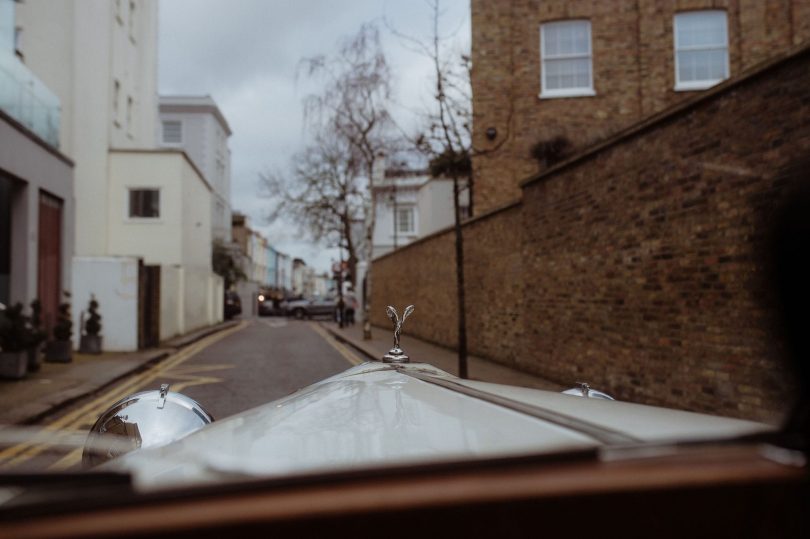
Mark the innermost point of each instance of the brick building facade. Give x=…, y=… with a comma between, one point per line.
x=637, y=265
x=608, y=64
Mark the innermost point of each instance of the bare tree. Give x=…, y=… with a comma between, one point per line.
x=446, y=139
x=353, y=106
x=324, y=193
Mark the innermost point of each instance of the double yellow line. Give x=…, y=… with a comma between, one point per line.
x=84, y=416
x=347, y=354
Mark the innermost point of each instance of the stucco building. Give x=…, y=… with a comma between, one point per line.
x=143, y=219
x=36, y=184
x=583, y=70
x=410, y=204
x=197, y=126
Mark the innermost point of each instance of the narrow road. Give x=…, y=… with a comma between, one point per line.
x=257, y=361
x=268, y=359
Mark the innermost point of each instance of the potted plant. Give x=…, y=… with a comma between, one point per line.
x=13, y=341
x=91, y=340
x=36, y=336
x=59, y=349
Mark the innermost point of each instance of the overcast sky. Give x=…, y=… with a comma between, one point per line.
x=245, y=53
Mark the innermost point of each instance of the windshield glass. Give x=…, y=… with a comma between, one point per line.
x=256, y=240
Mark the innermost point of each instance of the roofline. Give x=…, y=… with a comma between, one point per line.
x=211, y=108
x=472, y=220
x=168, y=151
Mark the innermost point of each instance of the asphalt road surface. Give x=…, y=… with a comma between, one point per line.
x=268, y=359
x=255, y=362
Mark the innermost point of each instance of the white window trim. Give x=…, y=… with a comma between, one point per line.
x=163, y=132
x=149, y=220
x=414, y=229
x=698, y=84
x=566, y=92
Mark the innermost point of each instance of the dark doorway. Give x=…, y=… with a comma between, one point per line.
x=148, y=306
x=49, y=261
x=6, y=188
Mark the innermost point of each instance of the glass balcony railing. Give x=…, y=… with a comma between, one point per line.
x=26, y=99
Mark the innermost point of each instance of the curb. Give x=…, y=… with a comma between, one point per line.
x=190, y=338
x=77, y=395
x=370, y=354
x=155, y=356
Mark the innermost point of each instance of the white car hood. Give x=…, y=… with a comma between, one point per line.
x=376, y=415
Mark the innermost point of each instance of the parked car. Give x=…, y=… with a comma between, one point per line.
x=269, y=306
x=232, y=304
x=315, y=306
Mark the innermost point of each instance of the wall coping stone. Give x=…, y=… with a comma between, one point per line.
x=445, y=230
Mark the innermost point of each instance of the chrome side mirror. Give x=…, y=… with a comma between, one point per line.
x=145, y=419
x=584, y=390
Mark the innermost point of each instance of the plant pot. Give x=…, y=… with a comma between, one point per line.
x=59, y=351
x=90, y=344
x=34, y=358
x=13, y=364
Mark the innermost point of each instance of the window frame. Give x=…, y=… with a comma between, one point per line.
x=128, y=205
x=702, y=84
x=163, y=132
x=412, y=210
x=115, y=102
x=130, y=115
x=581, y=91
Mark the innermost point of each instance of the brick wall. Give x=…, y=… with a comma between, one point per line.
x=633, y=72
x=635, y=266
x=493, y=267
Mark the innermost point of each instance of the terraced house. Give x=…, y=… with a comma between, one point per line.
x=578, y=71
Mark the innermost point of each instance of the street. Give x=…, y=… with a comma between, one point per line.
x=257, y=361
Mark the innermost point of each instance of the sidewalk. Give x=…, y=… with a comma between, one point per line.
x=57, y=385
x=443, y=358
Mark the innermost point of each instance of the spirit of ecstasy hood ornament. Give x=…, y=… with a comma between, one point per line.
x=396, y=355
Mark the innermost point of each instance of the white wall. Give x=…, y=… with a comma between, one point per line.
x=182, y=233
x=205, y=140
x=196, y=233
x=436, y=205
x=189, y=299
x=114, y=281
x=159, y=240
x=78, y=48
x=383, y=239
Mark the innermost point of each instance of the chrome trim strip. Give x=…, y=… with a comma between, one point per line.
x=601, y=434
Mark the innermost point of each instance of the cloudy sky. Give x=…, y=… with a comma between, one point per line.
x=245, y=54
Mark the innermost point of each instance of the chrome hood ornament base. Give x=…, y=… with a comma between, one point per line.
x=396, y=355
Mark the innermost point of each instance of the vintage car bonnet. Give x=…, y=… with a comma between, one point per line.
x=387, y=413
x=378, y=414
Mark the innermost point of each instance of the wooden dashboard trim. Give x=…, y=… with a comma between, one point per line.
x=704, y=470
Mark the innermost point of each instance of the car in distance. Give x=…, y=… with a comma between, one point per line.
x=232, y=305
x=307, y=308
x=269, y=306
